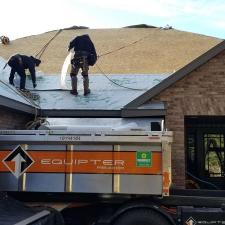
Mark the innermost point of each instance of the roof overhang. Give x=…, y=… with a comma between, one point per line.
x=53, y=113
x=17, y=106
x=81, y=113
x=143, y=112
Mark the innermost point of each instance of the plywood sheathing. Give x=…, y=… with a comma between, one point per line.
x=161, y=51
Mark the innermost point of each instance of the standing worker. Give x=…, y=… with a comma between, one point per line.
x=18, y=64
x=85, y=56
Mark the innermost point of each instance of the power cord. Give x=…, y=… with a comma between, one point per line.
x=130, y=88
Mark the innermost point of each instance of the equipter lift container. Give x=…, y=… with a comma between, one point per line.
x=131, y=162
x=106, y=178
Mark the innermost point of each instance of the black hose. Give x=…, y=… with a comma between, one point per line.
x=41, y=52
x=56, y=89
x=130, y=88
x=202, y=181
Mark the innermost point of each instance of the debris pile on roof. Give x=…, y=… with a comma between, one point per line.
x=167, y=27
x=140, y=26
x=76, y=28
x=4, y=40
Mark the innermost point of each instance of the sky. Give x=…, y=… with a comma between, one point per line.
x=20, y=18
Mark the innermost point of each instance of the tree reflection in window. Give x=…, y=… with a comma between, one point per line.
x=214, y=155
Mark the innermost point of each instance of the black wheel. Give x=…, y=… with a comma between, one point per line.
x=141, y=217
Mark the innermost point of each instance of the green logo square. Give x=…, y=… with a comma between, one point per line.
x=144, y=159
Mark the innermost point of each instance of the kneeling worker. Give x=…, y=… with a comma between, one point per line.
x=18, y=64
x=85, y=56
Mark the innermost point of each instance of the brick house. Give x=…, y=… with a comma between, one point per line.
x=192, y=102
x=194, y=97
x=14, y=114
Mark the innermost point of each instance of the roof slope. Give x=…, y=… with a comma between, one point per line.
x=108, y=95
x=158, y=51
x=177, y=76
x=10, y=97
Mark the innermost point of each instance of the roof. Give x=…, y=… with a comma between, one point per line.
x=106, y=99
x=148, y=51
x=104, y=94
x=176, y=76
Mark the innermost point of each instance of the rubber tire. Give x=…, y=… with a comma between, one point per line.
x=141, y=217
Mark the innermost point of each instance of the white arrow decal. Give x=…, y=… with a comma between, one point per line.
x=22, y=161
x=18, y=162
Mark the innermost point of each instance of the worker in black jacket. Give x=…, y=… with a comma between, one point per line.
x=85, y=56
x=19, y=63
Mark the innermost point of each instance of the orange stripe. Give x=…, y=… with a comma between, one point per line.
x=88, y=162
x=3, y=154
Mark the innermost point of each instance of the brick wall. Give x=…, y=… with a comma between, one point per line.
x=202, y=92
x=13, y=120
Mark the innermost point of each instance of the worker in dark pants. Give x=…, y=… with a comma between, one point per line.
x=19, y=63
x=85, y=56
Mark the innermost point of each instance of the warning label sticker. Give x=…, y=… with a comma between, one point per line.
x=144, y=159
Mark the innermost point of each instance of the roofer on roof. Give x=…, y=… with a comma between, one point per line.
x=85, y=56
x=18, y=64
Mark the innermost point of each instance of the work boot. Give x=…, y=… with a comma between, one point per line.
x=11, y=80
x=24, y=90
x=74, y=85
x=11, y=83
x=86, y=86
x=73, y=92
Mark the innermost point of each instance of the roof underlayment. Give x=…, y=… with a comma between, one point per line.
x=104, y=94
x=7, y=91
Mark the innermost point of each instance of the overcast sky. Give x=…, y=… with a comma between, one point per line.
x=19, y=18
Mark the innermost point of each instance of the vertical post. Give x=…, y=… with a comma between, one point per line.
x=24, y=175
x=116, y=177
x=166, y=164
x=69, y=168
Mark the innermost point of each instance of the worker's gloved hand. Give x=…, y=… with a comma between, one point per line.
x=34, y=85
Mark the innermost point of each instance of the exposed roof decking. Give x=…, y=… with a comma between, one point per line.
x=158, y=51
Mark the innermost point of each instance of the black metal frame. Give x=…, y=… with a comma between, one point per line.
x=198, y=126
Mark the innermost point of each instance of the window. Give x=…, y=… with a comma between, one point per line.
x=214, y=155
x=191, y=152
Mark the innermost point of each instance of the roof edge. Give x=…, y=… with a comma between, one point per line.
x=17, y=106
x=89, y=113
x=199, y=61
x=126, y=113
x=79, y=113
